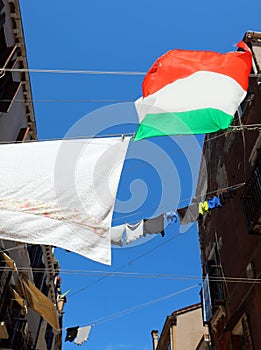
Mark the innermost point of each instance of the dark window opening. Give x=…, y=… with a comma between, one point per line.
x=22, y=135
x=49, y=337
x=251, y=200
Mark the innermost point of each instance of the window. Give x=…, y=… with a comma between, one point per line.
x=213, y=288
x=206, y=301
x=36, y=254
x=216, y=284
x=2, y=20
x=22, y=135
x=1, y=5
x=251, y=199
x=49, y=337
x=8, y=91
x=245, y=105
x=8, y=87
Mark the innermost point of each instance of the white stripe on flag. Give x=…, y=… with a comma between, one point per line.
x=198, y=91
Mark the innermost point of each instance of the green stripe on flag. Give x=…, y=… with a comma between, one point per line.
x=200, y=121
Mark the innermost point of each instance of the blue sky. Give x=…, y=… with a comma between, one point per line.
x=126, y=36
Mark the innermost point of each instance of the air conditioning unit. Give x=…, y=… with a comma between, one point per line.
x=3, y=331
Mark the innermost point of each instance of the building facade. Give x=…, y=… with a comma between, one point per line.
x=230, y=235
x=31, y=303
x=183, y=329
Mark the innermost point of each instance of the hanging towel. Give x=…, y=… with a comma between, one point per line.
x=188, y=214
x=61, y=193
x=71, y=333
x=117, y=233
x=82, y=334
x=134, y=232
x=155, y=225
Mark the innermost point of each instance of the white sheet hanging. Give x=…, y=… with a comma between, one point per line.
x=61, y=193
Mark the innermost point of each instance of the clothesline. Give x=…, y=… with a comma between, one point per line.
x=85, y=137
x=236, y=186
x=158, y=246
x=132, y=134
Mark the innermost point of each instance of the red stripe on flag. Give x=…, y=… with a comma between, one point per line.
x=178, y=64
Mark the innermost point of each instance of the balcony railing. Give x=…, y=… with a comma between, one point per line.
x=251, y=199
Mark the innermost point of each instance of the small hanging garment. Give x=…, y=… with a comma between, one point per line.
x=134, y=232
x=82, y=335
x=214, y=202
x=117, y=233
x=171, y=216
x=188, y=214
x=71, y=333
x=203, y=207
x=155, y=225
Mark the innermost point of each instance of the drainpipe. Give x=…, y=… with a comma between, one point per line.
x=155, y=338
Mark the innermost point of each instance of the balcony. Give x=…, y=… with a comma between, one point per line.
x=251, y=199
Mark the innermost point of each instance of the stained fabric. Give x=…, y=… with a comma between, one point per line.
x=188, y=214
x=71, y=333
x=203, y=207
x=154, y=225
x=61, y=193
x=134, y=232
x=82, y=334
x=214, y=202
x=39, y=302
x=171, y=216
x=116, y=233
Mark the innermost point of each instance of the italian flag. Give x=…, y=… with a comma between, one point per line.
x=193, y=92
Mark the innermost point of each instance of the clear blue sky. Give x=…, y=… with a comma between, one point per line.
x=126, y=36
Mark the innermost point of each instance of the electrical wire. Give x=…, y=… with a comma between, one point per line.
x=138, y=275
x=135, y=308
x=85, y=72
x=72, y=71
x=67, y=100
x=140, y=306
x=125, y=265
